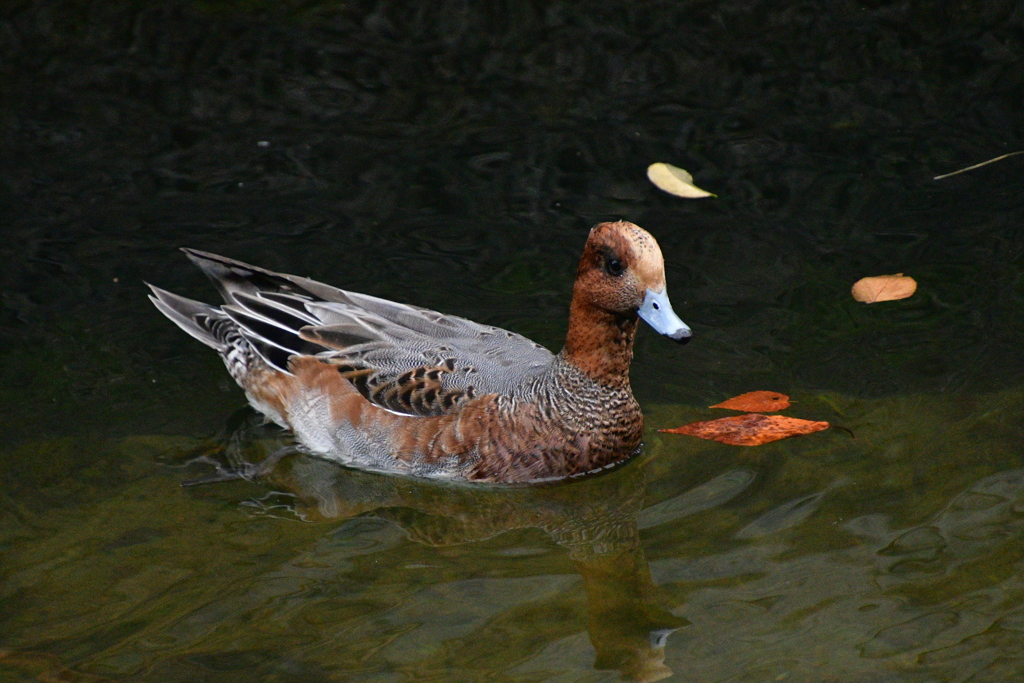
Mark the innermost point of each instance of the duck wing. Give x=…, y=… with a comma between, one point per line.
x=403, y=358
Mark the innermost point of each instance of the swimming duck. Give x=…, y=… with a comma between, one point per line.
x=384, y=386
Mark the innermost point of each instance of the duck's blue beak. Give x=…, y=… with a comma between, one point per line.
x=657, y=312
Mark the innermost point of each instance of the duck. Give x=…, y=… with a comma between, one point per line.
x=391, y=387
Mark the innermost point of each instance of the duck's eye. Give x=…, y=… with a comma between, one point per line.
x=614, y=267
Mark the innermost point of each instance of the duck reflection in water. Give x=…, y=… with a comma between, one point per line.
x=594, y=521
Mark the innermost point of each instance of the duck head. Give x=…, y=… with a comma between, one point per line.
x=620, y=278
x=623, y=273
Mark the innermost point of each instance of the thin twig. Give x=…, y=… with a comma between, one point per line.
x=848, y=431
x=984, y=163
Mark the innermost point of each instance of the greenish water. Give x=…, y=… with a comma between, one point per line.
x=454, y=157
x=895, y=554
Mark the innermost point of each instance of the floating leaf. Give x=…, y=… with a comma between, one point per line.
x=752, y=429
x=883, y=288
x=756, y=402
x=675, y=181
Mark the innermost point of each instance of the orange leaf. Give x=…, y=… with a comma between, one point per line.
x=756, y=402
x=752, y=429
x=883, y=288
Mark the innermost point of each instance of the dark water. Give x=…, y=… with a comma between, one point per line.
x=453, y=155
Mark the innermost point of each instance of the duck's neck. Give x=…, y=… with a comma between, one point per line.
x=600, y=343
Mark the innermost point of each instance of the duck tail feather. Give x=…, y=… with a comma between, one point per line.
x=196, y=318
x=233, y=277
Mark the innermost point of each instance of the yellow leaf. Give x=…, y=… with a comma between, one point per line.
x=883, y=288
x=675, y=181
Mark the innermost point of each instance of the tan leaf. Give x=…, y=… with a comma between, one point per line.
x=883, y=288
x=756, y=402
x=675, y=181
x=752, y=429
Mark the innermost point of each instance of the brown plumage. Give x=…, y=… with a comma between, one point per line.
x=385, y=386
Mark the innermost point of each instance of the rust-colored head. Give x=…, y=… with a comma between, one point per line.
x=621, y=276
x=620, y=262
x=622, y=272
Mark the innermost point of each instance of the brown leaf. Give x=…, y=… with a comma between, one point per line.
x=756, y=402
x=752, y=429
x=883, y=288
